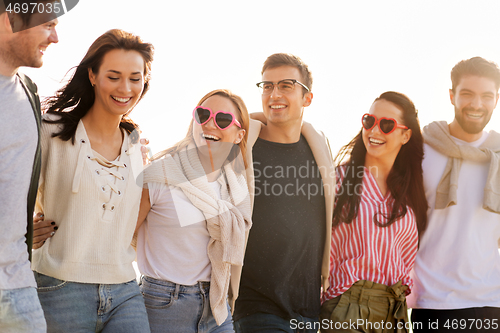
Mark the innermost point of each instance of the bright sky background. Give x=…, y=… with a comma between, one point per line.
x=355, y=49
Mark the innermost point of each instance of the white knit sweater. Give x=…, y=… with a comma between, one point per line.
x=94, y=206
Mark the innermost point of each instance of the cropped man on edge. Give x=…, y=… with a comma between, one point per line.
x=23, y=40
x=457, y=269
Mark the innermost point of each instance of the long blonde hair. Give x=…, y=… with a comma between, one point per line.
x=244, y=120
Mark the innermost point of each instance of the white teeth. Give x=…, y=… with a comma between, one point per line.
x=278, y=106
x=122, y=100
x=376, y=141
x=475, y=115
x=210, y=137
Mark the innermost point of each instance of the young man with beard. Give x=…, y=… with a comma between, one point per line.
x=457, y=269
x=23, y=40
x=287, y=256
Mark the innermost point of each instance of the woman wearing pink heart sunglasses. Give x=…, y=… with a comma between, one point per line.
x=194, y=220
x=380, y=212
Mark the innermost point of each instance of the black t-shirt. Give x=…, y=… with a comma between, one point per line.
x=282, y=267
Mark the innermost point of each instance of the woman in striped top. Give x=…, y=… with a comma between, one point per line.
x=380, y=211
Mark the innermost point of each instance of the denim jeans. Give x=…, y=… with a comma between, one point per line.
x=181, y=309
x=20, y=311
x=86, y=307
x=269, y=323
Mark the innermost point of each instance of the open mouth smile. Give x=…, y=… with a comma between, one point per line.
x=210, y=137
x=375, y=142
x=474, y=115
x=121, y=99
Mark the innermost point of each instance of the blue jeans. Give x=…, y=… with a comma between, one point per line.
x=181, y=309
x=20, y=311
x=269, y=323
x=86, y=307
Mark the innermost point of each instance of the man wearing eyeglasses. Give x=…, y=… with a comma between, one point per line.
x=287, y=256
x=24, y=37
x=457, y=268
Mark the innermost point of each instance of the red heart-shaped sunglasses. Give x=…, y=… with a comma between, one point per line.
x=386, y=125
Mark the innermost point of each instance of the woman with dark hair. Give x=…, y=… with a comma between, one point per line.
x=380, y=212
x=194, y=220
x=91, y=158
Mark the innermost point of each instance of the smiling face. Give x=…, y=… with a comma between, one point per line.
x=474, y=98
x=210, y=132
x=119, y=83
x=280, y=108
x=28, y=46
x=380, y=146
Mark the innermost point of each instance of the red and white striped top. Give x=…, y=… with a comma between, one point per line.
x=363, y=251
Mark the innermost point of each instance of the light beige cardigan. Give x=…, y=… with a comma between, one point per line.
x=323, y=156
x=96, y=223
x=437, y=135
x=228, y=219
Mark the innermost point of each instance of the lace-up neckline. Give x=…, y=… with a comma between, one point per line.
x=108, y=171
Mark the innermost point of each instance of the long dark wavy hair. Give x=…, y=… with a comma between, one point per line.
x=405, y=181
x=75, y=99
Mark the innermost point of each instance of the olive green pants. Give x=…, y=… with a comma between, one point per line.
x=367, y=307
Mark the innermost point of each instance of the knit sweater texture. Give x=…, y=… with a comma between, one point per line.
x=228, y=219
x=95, y=204
x=437, y=135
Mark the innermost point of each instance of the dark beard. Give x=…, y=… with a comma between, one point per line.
x=469, y=127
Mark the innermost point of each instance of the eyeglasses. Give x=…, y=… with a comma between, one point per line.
x=284, y=86
x=223, y=120
x=386, y=125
